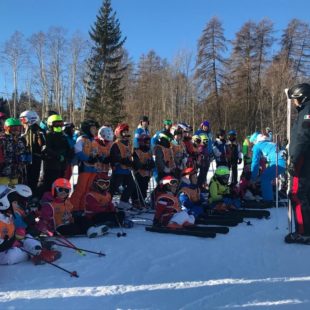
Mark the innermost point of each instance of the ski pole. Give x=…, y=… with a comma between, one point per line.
x=138, y=189
x=62, y=239
x=121, y=233
x=72, y=273
x=79, y=249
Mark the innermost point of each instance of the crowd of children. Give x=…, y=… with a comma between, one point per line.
x=37, y=160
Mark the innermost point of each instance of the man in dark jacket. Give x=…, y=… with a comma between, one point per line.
x=299, y=168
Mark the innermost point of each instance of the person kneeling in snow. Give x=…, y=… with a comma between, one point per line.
x=167, y=207
x=190, y=196
x=56, y=216
x=15, y=244
x=221, y=197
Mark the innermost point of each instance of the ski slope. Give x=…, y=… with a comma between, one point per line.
x=250, y=267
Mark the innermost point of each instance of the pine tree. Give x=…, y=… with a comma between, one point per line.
x=106, y=69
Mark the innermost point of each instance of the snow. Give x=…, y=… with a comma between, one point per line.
x=249, y=268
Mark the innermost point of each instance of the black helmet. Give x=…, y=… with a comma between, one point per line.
x=144, y=118
x=299, y=91
x=85, y=126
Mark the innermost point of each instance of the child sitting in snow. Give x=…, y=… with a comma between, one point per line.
x=190, y=196
x=15, y=244
x=220, y=195
x=99, y=207
x=56, y=215
x=167, y=207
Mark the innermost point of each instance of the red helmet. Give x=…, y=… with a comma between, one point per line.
x=61, y=183
x=188, y=171
x=2, y=115
x=101, y=182
x=170, y=180
x=120, y=128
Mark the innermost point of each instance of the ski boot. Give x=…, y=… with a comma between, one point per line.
x=97, y=231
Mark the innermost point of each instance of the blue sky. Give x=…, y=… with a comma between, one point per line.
x=163, y=25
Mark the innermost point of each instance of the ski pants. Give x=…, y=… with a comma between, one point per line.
x=300, y=198
x=267, y=177
x=203, y=171
x=33, y=173
x=126, y=180
x=83, y=185
x=16, y=255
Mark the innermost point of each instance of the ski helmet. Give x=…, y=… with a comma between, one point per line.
x=119, y=130
x=299, y=91
x=55, y=123
x=29, y=117
x=196, y=139
x=167, y=122
x=185, y=127
x=205, y=123
x=67, y=128
x=222, y=174
x=221, y=133
x=164, y=140
x=12, y=125
x=188, y=171
x=232, y=132
x=144, y=119
x=101, y=182
x=204, y=138
x=6, y=194
x=86, y=125
x=105, y=133
x=168, y=180
x=61, y=183
x=176, y=130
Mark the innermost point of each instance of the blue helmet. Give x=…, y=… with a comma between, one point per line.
x=232, y=133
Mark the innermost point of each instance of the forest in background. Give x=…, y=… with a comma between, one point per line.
x=234, y=83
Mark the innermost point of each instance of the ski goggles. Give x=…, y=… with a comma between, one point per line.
x=103, y=182
x=62, y=190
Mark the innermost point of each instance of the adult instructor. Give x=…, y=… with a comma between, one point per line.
x=299, y=168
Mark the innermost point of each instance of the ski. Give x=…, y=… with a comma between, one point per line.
x=221, y=221
x=253, y=204
x=297, y=239
x=215, y=229
x=252, y=213
x=181, y=231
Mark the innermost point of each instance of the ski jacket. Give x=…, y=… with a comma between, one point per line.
x=221, y=151
x=217, y=190
x=235, y=151
x=104, y=150
x=57, y=152
x=35, y=140
x=138, y=132
x=164, y=160
x=96, y=202
x=88, y=152
x=54, y=214
x=13, y=156
x=246, y=151
x=143, y=162
x=210, y=140
x=191, y=198
x=299, y=148
x=179, y=154
x=121, y=158
x=7, y=232
x=267, y=150
x=166, y=205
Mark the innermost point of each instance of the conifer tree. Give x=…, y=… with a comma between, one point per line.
x=105, y=68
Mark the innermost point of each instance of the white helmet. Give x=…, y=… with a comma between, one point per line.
x=106, y=133
x=29, y=117
x=5, y=190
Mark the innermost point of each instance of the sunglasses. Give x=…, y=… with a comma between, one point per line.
x=58, y=124
x=62, y=190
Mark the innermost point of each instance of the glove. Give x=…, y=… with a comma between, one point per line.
x=239, y=161
x=291, y=169
x=92, y=160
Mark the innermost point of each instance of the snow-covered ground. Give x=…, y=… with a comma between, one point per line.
x=249, y=268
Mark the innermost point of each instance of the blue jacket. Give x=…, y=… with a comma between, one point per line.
x=269, y=151
x=138, y=132
x=210, y=141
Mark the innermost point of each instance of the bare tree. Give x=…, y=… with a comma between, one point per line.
x=15, y=54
